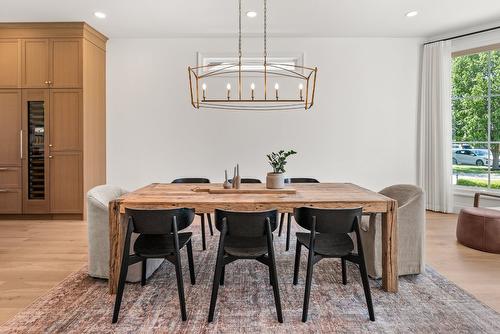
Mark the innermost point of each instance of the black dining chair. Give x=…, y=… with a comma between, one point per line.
x=202, y=215
x=329, y=238
x=247, y=180
x=245, y=235
x=159, y=237
x=289, y=216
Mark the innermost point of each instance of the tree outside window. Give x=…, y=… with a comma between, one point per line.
x=476, y=119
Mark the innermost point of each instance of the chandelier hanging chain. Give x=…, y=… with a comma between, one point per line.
x=265, y=31
x=265, y=49
x=239, y=31
x=240, y=88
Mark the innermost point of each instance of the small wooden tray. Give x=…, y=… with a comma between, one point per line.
x=246, y=191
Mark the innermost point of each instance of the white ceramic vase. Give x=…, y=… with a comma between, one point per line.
x=275, y=181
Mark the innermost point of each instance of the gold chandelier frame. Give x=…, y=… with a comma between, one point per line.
x=305, y=76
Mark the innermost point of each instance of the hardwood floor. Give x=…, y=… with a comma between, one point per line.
x=37, y=255
x=475, y=271
x=34, y=257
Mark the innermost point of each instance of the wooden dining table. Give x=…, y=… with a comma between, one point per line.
x=255, y=197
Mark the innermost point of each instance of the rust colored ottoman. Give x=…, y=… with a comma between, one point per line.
x=479, y=228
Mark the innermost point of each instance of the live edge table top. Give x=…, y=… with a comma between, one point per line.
x=321, y=195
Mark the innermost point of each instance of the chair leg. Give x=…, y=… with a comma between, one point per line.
x=282, y=219
x=217, y=277
x=121, y=287
x=366, y=288
x=209, y=217
x=344, y=271
x=307, y=292
x=276, y=290
x=288, y=231
x=189, y=248
x=143, y=272
x=271, y=275
x=203, y=241
x=223, y=273
x=298, y=248
x=180, y=285
x=123, y=271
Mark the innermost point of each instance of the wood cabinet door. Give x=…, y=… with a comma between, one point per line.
x=66, y=63
x=10, y=201
x=65, y=120
x=66, y=190
x=10, y=132
x=10, y=63
x=35, y=63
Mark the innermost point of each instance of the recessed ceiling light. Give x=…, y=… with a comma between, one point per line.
x=100, y=15
x=251, y=14
x=412, y=13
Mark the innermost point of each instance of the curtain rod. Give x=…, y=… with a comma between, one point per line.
x=463, y=35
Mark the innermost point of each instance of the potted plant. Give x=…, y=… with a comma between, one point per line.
x=276, y=179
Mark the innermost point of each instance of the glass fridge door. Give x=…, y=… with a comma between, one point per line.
x=36, y=151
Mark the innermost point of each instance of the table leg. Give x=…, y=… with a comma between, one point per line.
x=390, y=248
x=116, y=238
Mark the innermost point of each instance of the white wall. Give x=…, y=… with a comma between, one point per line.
x=362, y=128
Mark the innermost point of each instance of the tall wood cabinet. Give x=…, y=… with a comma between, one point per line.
x=52, y=117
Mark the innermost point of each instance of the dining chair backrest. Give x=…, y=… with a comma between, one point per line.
x=246, y=224
x=301, y=180
x=247, y=180
x=149, y=221
x=191, y=180
x=329, y=221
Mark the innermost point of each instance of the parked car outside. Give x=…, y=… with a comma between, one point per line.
x=462, y=147
x=477, y=157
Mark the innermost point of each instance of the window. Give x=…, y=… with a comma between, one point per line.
x=252, y=62
x=476, y=119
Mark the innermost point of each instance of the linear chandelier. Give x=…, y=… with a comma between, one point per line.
x=260, y=85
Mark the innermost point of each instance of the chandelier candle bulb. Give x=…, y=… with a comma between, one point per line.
x=228, y=91
x=252, y=87
x=204, y=87
x=277, y=87
x=301, y=87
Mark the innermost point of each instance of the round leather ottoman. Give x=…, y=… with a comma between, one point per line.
x=479, y=228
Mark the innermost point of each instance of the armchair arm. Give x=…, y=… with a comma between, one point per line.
x=477, y=195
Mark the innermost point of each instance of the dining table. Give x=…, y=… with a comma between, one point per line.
x=256, y=197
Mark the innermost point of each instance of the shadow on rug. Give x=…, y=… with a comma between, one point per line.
x=426, y=303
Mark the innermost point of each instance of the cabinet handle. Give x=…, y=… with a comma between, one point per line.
x=46, y=82
x=50, y=145
x=21, y=143
x=50, y=82
x=50, y=157
x=3, y=190
x=3, y=169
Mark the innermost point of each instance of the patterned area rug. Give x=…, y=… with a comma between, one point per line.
x=426, y=303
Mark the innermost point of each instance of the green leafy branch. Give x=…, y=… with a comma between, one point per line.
x=278, y=160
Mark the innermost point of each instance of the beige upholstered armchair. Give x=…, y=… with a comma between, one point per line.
x=98, y=199
x=411, y=232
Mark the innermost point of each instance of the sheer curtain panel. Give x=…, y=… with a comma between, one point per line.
x=435, y=132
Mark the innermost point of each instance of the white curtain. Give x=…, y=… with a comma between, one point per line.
x=435, y=137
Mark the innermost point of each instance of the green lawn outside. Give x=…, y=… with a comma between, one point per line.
x=465, y=169
x=473, y=181
x=495, y=184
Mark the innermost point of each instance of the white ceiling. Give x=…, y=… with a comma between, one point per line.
x=349, y=18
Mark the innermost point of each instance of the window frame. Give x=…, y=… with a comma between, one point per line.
x=204, y=58
x=483, y=49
